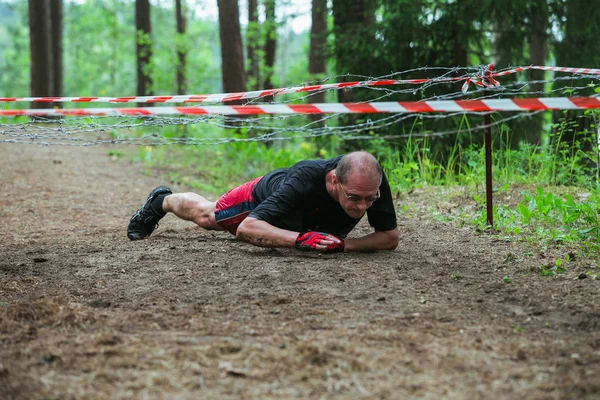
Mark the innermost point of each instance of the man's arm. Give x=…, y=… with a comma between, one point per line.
x=380, y=240
x=263, y=234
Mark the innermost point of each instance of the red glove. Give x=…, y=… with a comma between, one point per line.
x=309, y=241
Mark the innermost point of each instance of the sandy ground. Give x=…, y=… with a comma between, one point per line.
x=85, y=313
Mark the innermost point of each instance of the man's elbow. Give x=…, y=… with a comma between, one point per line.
x=244, y=231
x=393, y=240
x=393, y=244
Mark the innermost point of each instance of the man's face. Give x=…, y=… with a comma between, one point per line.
x=357, y=194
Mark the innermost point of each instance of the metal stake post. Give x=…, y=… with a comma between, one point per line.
x=488, y=172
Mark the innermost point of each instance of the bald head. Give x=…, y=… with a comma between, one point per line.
x=358, y=162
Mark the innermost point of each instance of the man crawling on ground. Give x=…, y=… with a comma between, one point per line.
x=312, y=205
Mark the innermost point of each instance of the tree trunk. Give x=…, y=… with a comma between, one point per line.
x=316, y=55
x=56, y=21
x=232, y=57
x=540, y=18
x=181, y=47
x=252, y=38
x=143, y=48
x=40, y=45
x=232, y=67
x=459, y=30
x=270, y=44
x=353, y=22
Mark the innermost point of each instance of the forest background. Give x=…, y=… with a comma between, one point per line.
x=142, y=47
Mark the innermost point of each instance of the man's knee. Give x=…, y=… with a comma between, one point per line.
x=191, y=207
x=203, y=212
x=207, y=221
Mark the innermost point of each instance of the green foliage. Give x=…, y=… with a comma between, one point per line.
x=552, y=271
x=578, y=221
x=291, y=63
x=456, y=275
x=14, y=51
x=594, y=274
x=116, y=154
x=203, y=69
x=549, y=220
x=99, y=45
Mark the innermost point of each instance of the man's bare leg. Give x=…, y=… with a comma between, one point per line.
x=192, y=207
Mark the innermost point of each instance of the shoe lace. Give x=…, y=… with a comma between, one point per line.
x=149, y=215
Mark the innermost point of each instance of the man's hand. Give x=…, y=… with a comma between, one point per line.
x=320, y=241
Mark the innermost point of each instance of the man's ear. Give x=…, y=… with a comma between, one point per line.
x=334, y=180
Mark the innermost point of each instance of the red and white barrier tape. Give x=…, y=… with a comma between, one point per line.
x=532, y=104
x=484, y=79
x=223, y=97
x=581, y=71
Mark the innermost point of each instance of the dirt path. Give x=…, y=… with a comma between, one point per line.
x=85, y=313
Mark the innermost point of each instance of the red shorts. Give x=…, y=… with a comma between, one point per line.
x=234, y=206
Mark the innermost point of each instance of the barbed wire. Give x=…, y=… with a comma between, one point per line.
x=344, y=133
x=152, y=131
